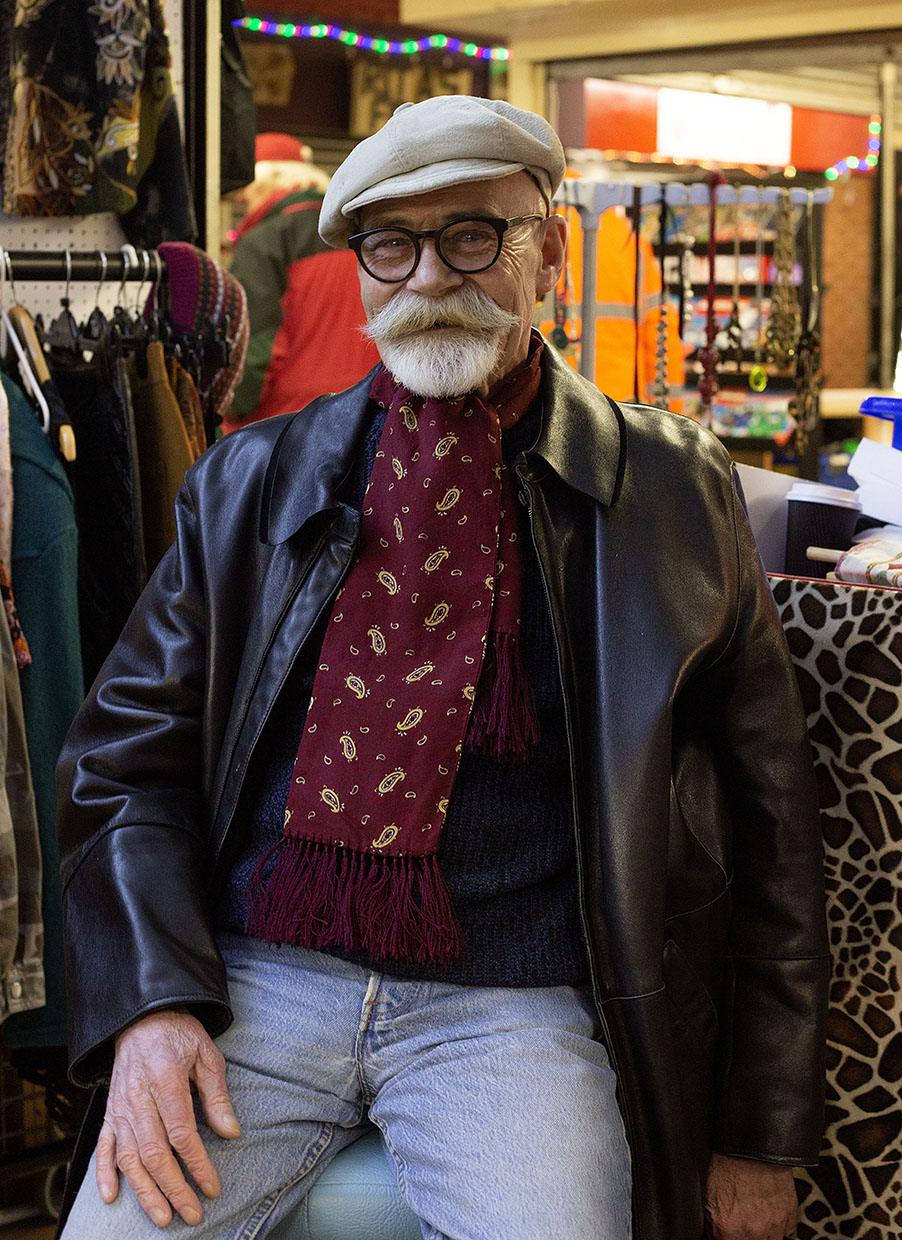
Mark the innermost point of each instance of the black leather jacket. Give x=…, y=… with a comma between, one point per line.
x=699, y=851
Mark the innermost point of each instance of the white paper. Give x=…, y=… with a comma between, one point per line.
x=765, y=498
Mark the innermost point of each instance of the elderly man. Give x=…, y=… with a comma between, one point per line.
x=451, y=770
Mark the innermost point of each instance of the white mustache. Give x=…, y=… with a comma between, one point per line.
x=467, y=308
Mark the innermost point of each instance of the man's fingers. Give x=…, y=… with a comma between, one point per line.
x=148, y=1195
x=213, y=1091
x=177, y=1113
x=105, y=1167
x=161, y=1165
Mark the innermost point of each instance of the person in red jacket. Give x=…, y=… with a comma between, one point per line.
x=303, y=297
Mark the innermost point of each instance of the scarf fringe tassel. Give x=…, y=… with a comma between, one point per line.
x=322, y=895
x=503, y=725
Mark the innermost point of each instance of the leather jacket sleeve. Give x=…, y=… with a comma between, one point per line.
x=772, y=1047
x=131, y=814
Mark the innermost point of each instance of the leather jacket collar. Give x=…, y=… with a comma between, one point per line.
x=582, y=439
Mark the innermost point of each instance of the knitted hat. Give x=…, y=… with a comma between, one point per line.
x=281, y=146
x=201, y=291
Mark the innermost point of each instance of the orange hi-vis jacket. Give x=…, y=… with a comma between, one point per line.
x=618, y=355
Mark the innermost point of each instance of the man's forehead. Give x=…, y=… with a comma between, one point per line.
x=470, y=198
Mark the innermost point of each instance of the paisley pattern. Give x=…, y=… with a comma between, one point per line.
x=395, y=696
x=81, y=136
x=407, y=638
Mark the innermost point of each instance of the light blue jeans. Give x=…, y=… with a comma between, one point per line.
x=497, y=1105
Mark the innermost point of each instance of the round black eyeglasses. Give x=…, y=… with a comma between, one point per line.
x=391, y=255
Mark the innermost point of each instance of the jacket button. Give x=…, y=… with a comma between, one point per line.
x=15, y=990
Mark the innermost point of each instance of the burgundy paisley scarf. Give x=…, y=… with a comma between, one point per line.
x=420, y=657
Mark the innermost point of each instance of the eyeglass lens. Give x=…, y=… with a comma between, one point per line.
x=465, y=245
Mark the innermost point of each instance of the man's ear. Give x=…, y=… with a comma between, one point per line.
x=554, y=249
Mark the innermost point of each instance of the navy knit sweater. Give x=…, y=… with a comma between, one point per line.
x=507, y=849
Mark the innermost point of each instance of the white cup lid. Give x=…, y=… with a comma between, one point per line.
x=820, y=493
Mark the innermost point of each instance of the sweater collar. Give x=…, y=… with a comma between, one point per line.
x=582, y=440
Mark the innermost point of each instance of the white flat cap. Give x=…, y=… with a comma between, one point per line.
x=446, y=140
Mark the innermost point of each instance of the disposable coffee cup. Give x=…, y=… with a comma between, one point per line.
x=818, y=516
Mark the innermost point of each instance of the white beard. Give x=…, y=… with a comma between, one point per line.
x=443, y=362
x=441, y=346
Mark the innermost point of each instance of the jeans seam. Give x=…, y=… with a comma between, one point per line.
x=400, y=1164
x=363, y=1027
x=265, y=1208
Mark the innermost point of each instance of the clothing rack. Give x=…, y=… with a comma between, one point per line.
x=97, y=266
x=592, y=198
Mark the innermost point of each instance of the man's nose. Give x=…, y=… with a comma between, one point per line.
x=432, y=277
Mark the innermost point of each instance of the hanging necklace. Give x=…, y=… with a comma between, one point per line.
x=685, y=310
x=808, y=377
x=662, y=388
x=561, y=303
x=784, y=320
x=707, y=384
x=732, y=351
x=758, y=374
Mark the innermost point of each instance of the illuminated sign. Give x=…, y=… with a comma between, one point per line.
x=723, y=128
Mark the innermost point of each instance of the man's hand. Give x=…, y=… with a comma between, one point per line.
x=750, y=1200
x=150, y=1114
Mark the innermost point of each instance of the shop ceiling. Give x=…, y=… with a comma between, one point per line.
x=540, y=32
x=841, y=76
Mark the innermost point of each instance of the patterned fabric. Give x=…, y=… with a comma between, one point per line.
x=92, y=99
x=202, y=294
x=875, y=561
x=20, y=645
x=21, y=927
x=6, y=483
x=397, y=680
x=7, y=21
x=846, y=642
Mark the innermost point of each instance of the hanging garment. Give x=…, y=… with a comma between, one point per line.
x=238, y=120
x=189, y=403
x=164, y=451
x=20, y=644
x=112, y=568
x=14, y=624
x=21, y=927
x=303, y=299
x=6, y=484
x=620, y=352
x=7, y=21
x=93, y=124
x=45, y=570
x=205, y=301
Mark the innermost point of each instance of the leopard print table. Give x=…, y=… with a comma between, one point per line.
x=846, y=642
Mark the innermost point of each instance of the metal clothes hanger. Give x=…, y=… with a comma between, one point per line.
x=27, y=352
x=97, y=323
x=63, y=332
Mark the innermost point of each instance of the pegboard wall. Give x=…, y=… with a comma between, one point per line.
x=85, y=232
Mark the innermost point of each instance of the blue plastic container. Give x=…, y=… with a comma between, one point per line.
x=890, y=409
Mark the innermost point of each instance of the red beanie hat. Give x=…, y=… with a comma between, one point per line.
x=280, y=146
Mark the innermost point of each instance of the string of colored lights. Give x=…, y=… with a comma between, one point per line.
x=372, y=43
x=852, y=163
